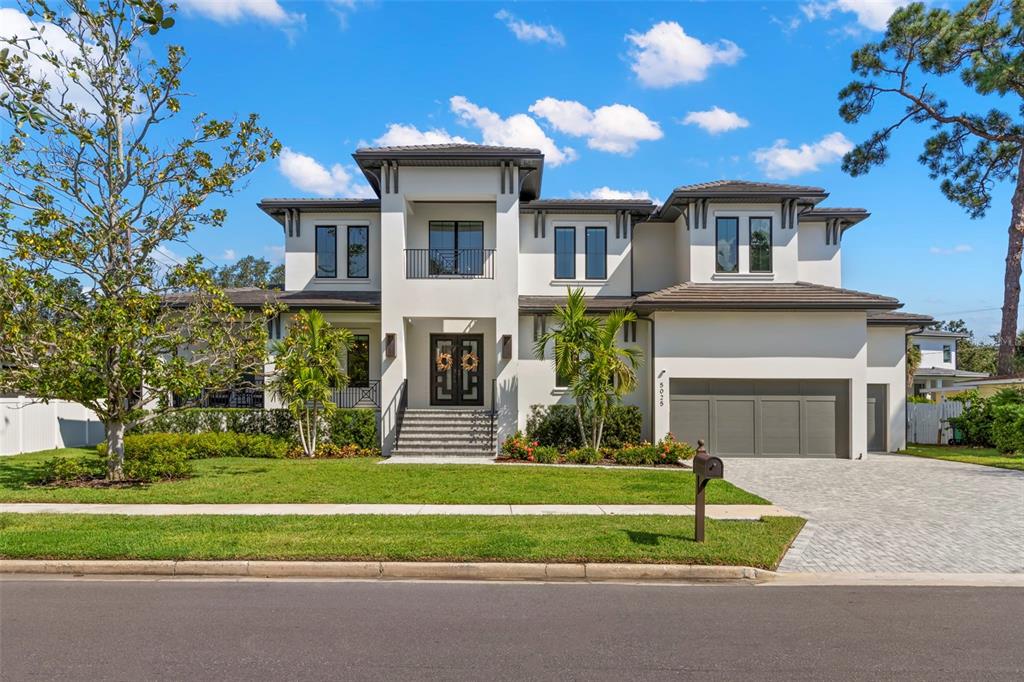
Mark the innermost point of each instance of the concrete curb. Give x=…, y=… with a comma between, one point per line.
x=384, y=570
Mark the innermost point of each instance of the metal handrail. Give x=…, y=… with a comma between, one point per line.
x=494, y=414
x=358, y=395
x=403, y=402
x=235, y=397
x=449, y=263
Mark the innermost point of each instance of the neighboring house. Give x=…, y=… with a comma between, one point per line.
x=446, y=279
x=938, y=368
x=987, y=386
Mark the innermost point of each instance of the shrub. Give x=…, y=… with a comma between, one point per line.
x=556, y=425
x=156, y=465
x=545, y=454
x=356, y=427
x=277, y=423
x=976, y=422
x=671, y=450
x=203, y=445
x=583, y=456
x=71, y=470
x=635, y=455
x=1008, y=428
x=332, y=451
x=517, y=446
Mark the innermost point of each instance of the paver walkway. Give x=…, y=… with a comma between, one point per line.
x=714, y=511
x=894, y=513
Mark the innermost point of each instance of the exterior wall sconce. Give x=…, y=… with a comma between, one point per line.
x=389, y=346
x=506, y=347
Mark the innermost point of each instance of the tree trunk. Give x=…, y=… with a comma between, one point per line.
x=583, y=429
x=115, y=450
x=1011, y=278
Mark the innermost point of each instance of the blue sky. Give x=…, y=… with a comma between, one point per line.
x=616, y=94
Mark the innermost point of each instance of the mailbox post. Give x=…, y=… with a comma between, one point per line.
x=705, y=467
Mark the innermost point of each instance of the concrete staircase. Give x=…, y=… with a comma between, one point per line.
x=454, y=432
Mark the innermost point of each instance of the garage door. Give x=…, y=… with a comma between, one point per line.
x=759, y=418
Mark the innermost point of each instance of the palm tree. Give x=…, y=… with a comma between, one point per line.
x=586, y=352
x=308, y=367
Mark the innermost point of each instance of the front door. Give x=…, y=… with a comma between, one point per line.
x=456, y=369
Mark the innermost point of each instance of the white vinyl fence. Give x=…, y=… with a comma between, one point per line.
x=28, y=426
x=927, y=423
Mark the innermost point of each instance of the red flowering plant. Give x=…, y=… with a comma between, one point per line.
x=518, y=446
x=671, y=450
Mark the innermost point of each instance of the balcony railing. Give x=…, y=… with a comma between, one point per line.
x=237, y=397
x=366, y=395
x=449, y=263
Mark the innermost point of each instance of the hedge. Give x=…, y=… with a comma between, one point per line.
x=556, y=425
x=1008, y=428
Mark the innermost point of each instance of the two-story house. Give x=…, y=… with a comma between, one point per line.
x=449, y=276
x=938, y=369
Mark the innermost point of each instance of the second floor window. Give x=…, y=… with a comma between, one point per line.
x=760, y=244
x=326, y=251
x=947, y=353
x=597, y=252
x=565, y=253
x=727, y=244
x=456, y=247
x=358, y=251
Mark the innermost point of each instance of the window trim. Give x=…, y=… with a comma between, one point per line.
x=771, y=244
x=586, y=252
x=572, y=229
x=348, y=251
x=718, y=220
x=316, y=251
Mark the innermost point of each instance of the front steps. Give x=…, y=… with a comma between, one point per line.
x=445, y=433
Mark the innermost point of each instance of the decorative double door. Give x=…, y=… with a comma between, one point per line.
x=456, y=369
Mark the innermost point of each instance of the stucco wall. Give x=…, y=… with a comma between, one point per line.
x=300, y=254
x=887, y=365
x=763, y=345
x=654, y=256
x=702, y=245
x=819, y=263
x=931, y=351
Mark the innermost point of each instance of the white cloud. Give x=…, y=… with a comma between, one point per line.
x=606, y=192
x=399, y=134
x=518, y=130
x=305, y=173
x=230, y=11
x=950, y=251
x=872, y=14
x=229, y=254
x=275, y=253
x=615, y=128
x=782, y=161
x=531, y=33
x=716, y=120
x=666, y=56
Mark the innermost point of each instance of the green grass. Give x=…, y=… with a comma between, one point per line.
x=951, y=453
x=238, y=480
x=661, y=539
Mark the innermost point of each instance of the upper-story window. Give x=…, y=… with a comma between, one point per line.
x=326, y=251
x=760, y=244
x=947, y=353
x=456, y=247
x=727, y=245
x=358, y=251
x=597, y=252
x=565, y=253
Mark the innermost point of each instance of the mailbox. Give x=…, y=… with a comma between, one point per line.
x=706, y=466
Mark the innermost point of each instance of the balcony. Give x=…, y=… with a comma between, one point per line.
x=365, y=395
x=449, y=263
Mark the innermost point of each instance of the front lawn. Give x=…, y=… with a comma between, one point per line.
x=953, y=453
x=656, y=539
x=240, y=480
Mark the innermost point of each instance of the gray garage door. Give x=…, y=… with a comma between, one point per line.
x=739, y=418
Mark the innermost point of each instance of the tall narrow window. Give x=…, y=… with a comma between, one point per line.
x=326, y=251
x=358, y=365
x=597, y=252
x=760, y=244
x=947, y=353
x=358, y=251
x=565, y=253
x=727, y=243
x=561, y=380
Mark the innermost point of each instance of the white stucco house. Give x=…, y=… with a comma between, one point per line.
x=938, y=369
x=447, y=277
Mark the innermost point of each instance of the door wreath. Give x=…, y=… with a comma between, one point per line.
x=443, y=362
x=470, y=361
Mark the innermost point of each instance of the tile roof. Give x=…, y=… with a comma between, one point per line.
x=754, y=296
x=744, y=186
x=545, y=304
x=880, y=317
x=450, y=148
x=252, y=297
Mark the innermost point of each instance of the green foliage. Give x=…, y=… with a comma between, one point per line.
x=98, y=190
x=977, y=421
x=674, y=450
x=583, y=456
x=544, y=454
x=556, y=425
x=637, y=455
x=63, y=470
x=913, y=362
x=517, y=446
x=277, y=423
x=1008, y=428
x=203, y=445
x=307, y=368
x=357, y=426
x=919, y=399
x=249, y=271
x=332, y=451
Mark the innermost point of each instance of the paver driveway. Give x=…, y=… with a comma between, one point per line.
x=894, y=513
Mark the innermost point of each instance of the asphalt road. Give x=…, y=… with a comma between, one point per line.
x=149, y=630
